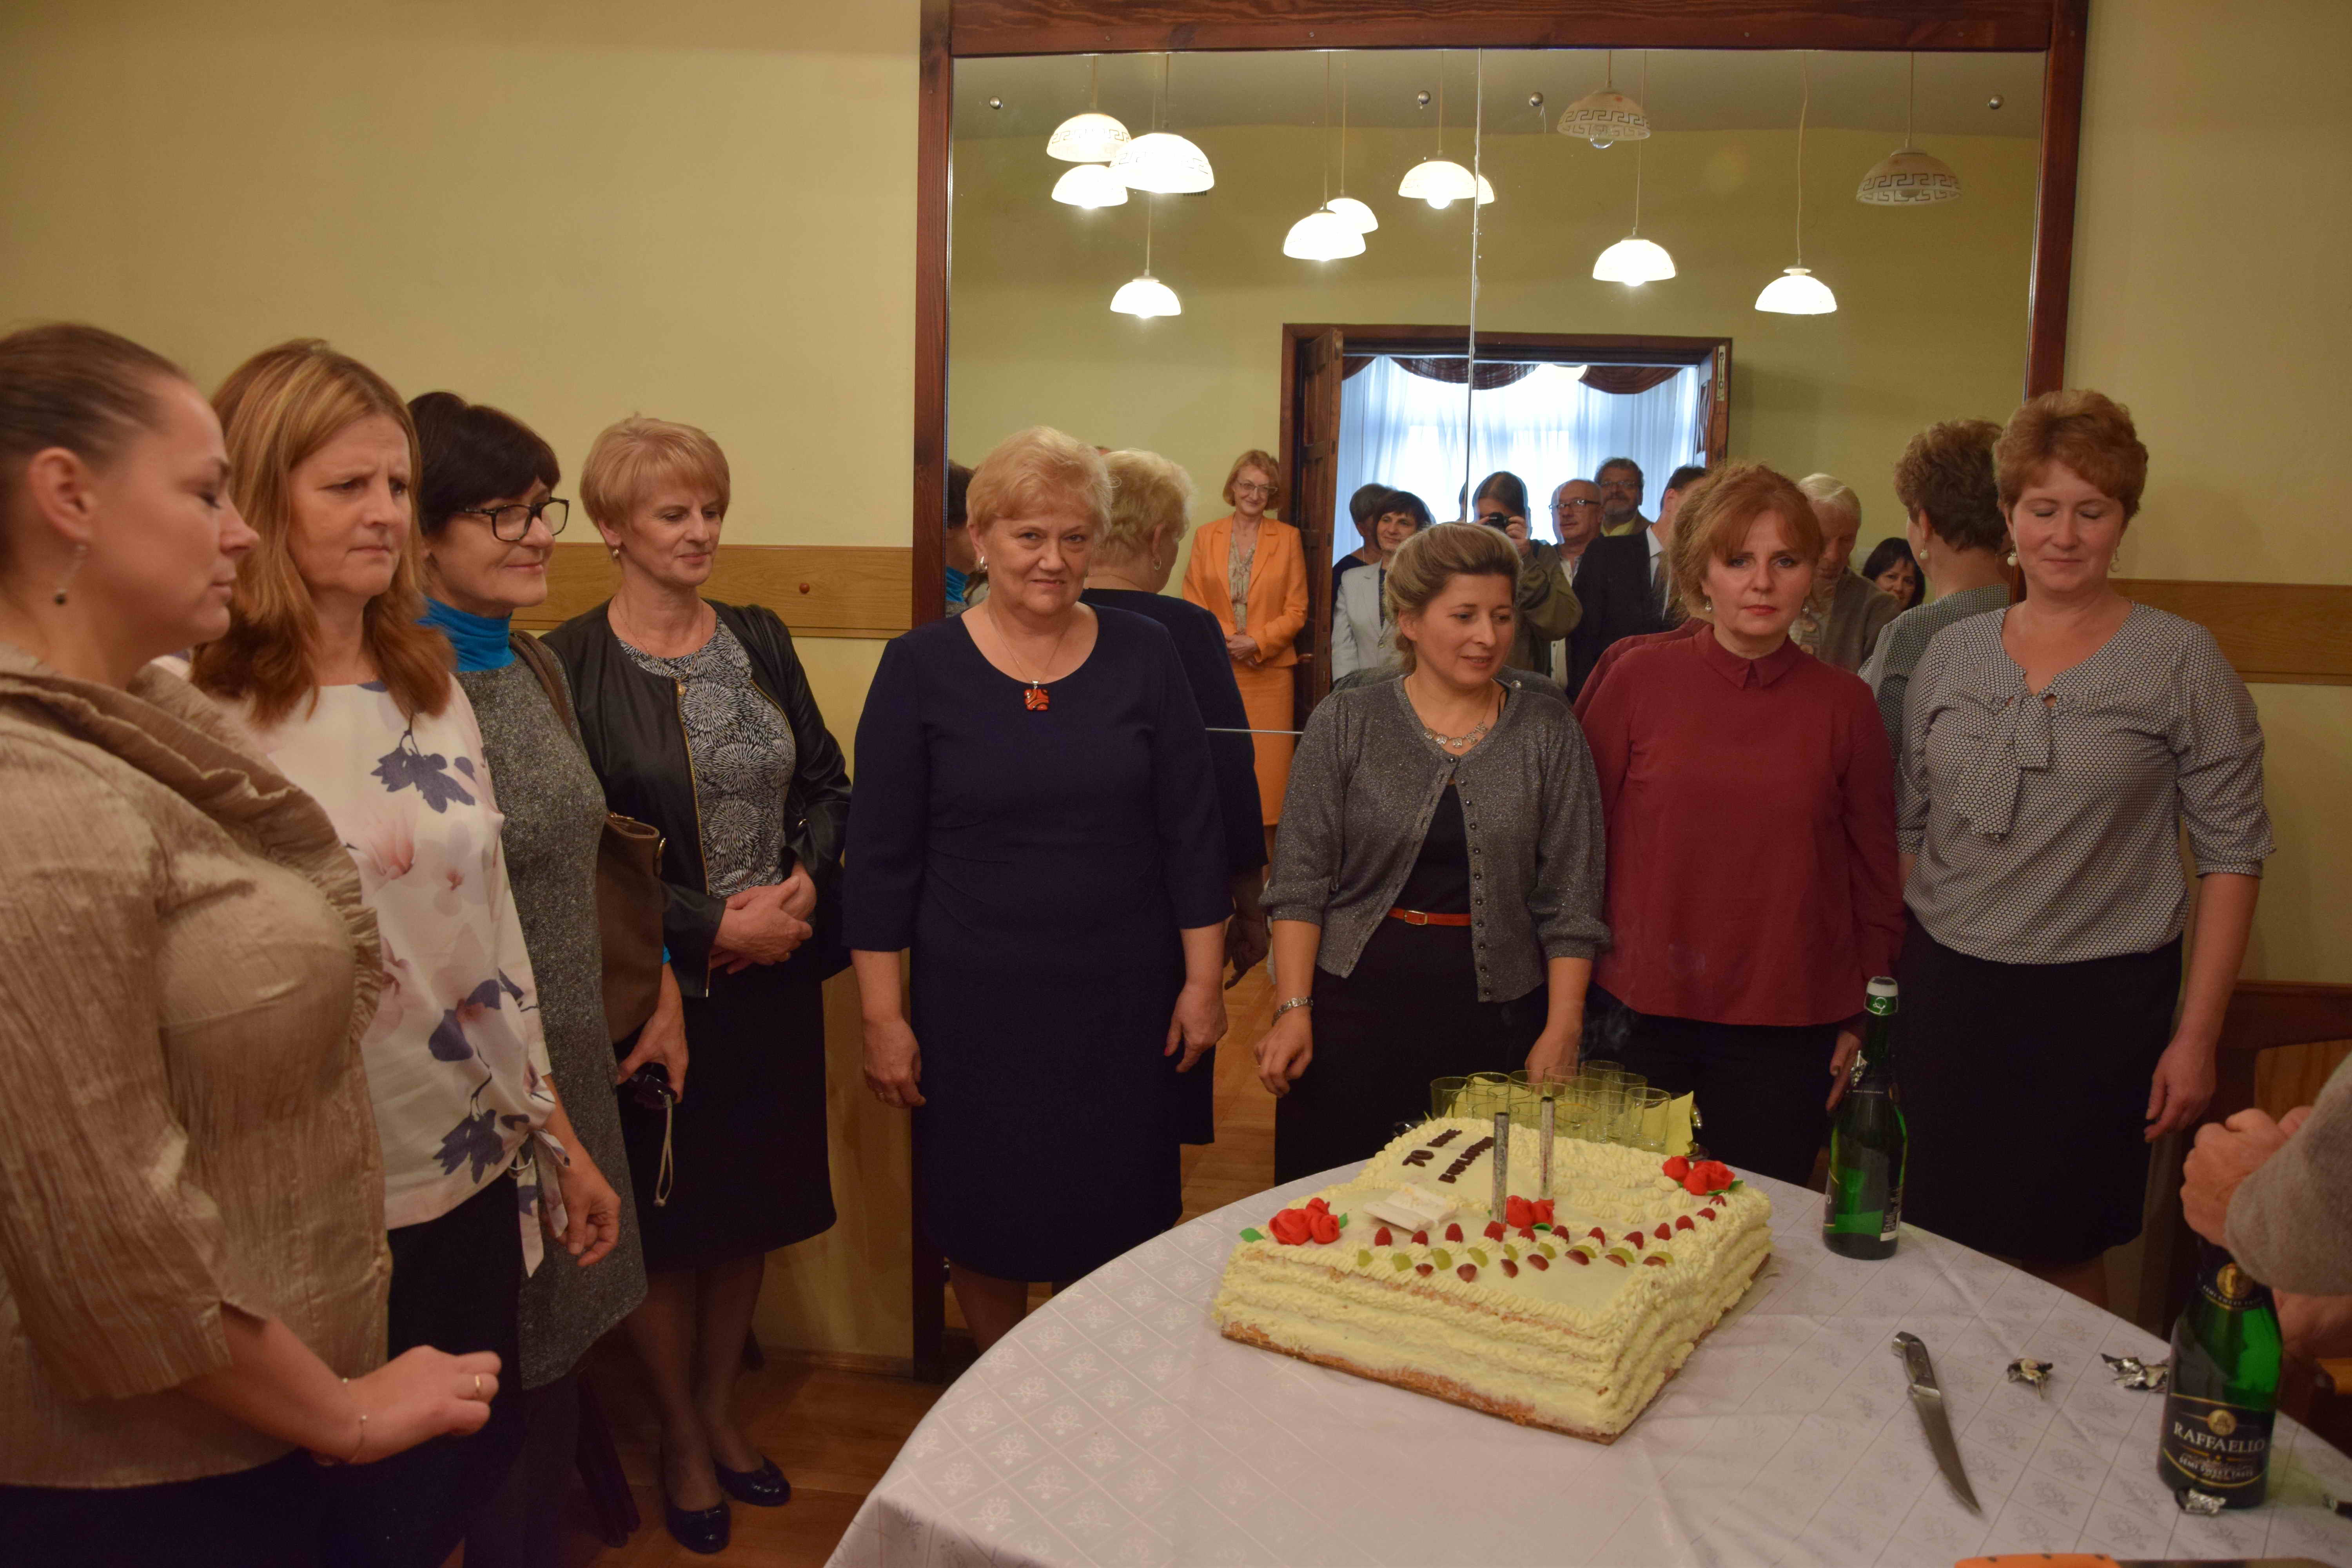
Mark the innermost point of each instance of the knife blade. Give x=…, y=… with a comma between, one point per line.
x=1928, y=1399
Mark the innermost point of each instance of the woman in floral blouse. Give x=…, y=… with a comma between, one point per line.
x=354, y=700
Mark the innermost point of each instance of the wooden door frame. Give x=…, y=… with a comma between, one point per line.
x=1314, y=668
x=969, y=29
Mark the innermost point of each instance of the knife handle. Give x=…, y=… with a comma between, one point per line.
x=1914, y=1362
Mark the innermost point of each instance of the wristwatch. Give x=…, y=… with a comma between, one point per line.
x=1294, y=1001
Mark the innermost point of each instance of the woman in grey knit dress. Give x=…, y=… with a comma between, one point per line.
x=488, y=521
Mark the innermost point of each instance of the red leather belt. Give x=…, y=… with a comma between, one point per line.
x=1423, y=918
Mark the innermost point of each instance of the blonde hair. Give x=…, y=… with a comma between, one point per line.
x=631, y=455
x=1425, y=564
x=1716, y=513
x=1149, y=498
x=1265, y=463
x=1039, y=471
x=276, y=410
x=2088, y=431
x=1830, y=493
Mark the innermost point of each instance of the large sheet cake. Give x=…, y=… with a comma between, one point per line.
x=1567, y=1313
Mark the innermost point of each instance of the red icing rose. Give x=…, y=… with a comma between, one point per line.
x=1325, y=1229
x=1676, y=1168
x=1518, y=1212
x=1696, y=1182
x=1543, y=1210
x=1292, y=1227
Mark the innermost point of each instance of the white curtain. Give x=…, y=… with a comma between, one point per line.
x=1405, y=430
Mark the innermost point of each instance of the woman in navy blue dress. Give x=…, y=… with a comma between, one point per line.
x=1037, y=821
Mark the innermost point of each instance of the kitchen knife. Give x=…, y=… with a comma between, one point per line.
x=1928, y=1399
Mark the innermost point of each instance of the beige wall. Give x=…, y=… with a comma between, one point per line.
x=703, y=209
x=2208, y=295
x=1931, y=325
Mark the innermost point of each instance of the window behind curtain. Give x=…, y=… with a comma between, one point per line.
x=1405, y=430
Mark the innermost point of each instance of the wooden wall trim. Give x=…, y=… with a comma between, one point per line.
x=2280, y=634
x=819, y=590
x=1079, y=27
x=933, y=168
x=2051, y=281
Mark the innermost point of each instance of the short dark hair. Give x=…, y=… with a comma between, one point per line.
x=1890, y=553
x=1504, y=486
x=472, y=453
x=1618, y=463
x=959, y=488
x=1364, y=507
x=1945, y=476
x=1410, y=504
x=1682, y=478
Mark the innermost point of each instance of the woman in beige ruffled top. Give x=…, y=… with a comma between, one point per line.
x=192, y=1266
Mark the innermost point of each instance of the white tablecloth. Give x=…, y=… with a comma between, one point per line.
x=1116, y=1426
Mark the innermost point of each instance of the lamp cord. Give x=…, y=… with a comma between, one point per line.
x=1470, y=376
x=1805, y=70
x=1343, y=122
x=1637, y=147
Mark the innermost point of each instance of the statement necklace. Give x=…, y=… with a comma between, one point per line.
x=1034, y=697
x=1449, y=741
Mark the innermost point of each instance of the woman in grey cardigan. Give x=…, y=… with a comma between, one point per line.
x=1437, y=885
x=489, y=519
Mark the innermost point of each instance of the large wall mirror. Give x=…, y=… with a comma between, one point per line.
x=1363, y=368
x=1467, y=337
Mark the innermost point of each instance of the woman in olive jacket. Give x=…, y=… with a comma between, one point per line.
x=699, y=719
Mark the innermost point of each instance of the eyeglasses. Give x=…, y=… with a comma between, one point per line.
x=1619, y=484
x=1572, y=505
x=1240, y=489
x=511, y=524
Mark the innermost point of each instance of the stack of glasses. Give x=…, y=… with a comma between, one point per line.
x=1601, y=1103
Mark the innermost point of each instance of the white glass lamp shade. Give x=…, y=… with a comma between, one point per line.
x=1360, y=217
x=1322, y=236
x=1908, y=178
x=1605, y=117
x=1634, y=261
x=1087, y=139
x=1797, y=292
x=1164, y=164
x=1146, y=297
x=1089, y=185
x=1441, y=183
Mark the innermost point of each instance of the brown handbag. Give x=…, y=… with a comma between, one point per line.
x=630, y=895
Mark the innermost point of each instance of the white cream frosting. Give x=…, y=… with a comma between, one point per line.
x=1582, y=1345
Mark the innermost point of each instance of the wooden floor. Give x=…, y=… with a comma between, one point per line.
x=834, y=1432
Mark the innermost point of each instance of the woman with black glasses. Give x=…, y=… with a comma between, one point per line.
x=489, y=520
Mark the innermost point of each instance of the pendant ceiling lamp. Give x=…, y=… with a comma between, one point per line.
x=1323, y=234
x=1907, y=178
x=1607, y=115
x=1145, y=296
x=1089, y=185
x=1358, y=217
x=1163, y=162
x=1436, y=180
x=1091, y=137
x=1634, y=261
x=1797, y=292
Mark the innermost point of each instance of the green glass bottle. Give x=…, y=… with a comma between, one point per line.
x=1868, y=1144
x=2226, y=1352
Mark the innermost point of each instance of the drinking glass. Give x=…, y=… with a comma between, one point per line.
x=1483, y=1094
x=1445, y=1095
x=1649, y=1120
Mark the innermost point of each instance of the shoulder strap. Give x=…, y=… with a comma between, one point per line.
x=530, y=650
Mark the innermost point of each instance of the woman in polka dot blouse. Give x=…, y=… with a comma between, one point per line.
x=2052, y=752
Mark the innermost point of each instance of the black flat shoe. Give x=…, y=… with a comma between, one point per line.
x=762, y=1487
x=703, y=1530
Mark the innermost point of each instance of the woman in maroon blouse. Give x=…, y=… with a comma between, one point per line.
x=1750, y=797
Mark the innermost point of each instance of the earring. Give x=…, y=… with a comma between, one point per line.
x=2012, y=558
x=60, y=596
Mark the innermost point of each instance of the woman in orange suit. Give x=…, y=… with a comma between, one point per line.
x=1248, y=571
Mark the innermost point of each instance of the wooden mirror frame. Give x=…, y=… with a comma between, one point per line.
x=972, y=29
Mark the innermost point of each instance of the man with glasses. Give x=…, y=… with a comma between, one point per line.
x=1611, y=577
x=1620, y=480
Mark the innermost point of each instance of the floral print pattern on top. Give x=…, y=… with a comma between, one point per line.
x=743, y=755
x=456, y=1064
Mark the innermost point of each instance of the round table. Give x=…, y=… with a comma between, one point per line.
x=1117, y=1426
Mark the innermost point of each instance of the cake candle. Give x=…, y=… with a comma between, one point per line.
x=1546, y=1117
x=1502, y=1198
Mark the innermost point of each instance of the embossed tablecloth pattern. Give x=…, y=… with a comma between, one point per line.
x=1116, y=1427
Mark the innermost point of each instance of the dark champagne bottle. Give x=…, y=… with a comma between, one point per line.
x=1868, y=1144
x=2226, y=1352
